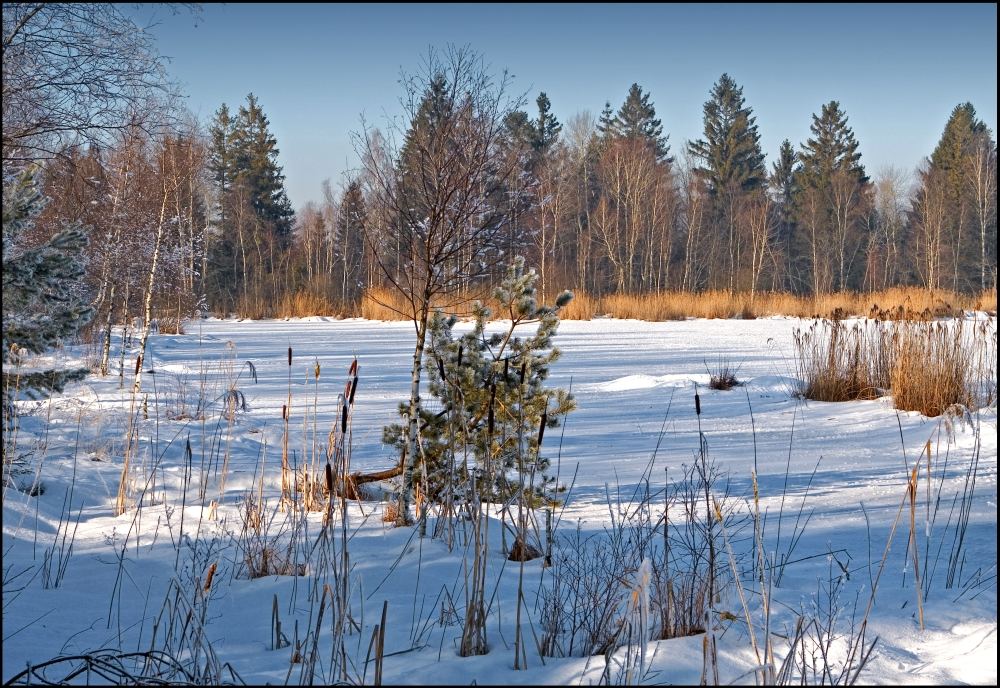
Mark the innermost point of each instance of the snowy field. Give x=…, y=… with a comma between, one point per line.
x=78, y=579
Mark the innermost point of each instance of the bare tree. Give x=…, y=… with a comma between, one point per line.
x=981, y=173
x=73, y=73
x=760, y=220
x=445, y=191
x=885, y=241
x=930, y=215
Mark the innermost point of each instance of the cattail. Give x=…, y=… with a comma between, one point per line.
x=524, y=368
x=459, y=363
x=541, y=427
x=284, y=412
x=208, y=578
x=347, y=389
x=697, y=404
x=138, y=363
x=489, y=420
x=289, y=356
x=343, y=419
x=329, y=479
x=354, y=367
x=316, y=370
x=441, y=369
x=354, y=388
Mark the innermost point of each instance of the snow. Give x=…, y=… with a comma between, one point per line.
x=634, y=383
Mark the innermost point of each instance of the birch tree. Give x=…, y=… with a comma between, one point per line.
x=445, y=195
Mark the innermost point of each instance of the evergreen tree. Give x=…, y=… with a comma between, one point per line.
x=636, y=119
x=957, y=141
x=730, y=152
x=606, y=123
x=949, y=164
x=351, y=239
x=491, y=388
x=832, y=199
x=435, y=113
x=545, y=129
x=832, y=148
x=519, y=130
x=221, y=162
x=256, y=162
x=782, y=187
x=43, y=299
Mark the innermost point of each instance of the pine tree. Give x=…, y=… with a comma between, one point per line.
x=636, y=119
x=491, y=387
x=731, y=159
x=43, y=293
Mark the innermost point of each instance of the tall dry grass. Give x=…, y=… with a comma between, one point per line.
x=897, y=303
x=928, y=367
x=302, y=304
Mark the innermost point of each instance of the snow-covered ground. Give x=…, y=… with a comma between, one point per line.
x=837, y=473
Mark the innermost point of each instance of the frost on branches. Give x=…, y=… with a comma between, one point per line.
x=484, y=443
x=43, y=299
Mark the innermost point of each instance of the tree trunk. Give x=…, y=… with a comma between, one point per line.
x=413, y=417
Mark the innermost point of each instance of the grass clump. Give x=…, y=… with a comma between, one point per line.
x=928, y=367
x=723, y=376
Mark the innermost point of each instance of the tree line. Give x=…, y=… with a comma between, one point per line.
x=602, y=204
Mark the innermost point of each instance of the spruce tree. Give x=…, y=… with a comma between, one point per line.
x=730, y=155
x=949, y=163
x=351, y=239
x=545, y=129
x=606, y=123
x=221, y=162
x=43, y=292
x=782, y=187
x=832, y=195
x=435, y=111
x=832, y=148
x=256, y=161
x=636, y=119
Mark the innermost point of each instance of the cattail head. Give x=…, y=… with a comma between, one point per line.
x=489, y=419
x=697, y=403
x=354, y=367
x=459, y=362
x=524, y=369
x=329, y=479
x=208, y=577
x=343, y=419
x=284, y=412
x=354, y=389
x=441, y=369
x=316, y=370
x=541, y=427
x=138, y=363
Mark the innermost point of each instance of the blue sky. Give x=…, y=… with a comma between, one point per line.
x=897, y=70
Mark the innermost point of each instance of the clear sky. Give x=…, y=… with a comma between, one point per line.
x=897, y=70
